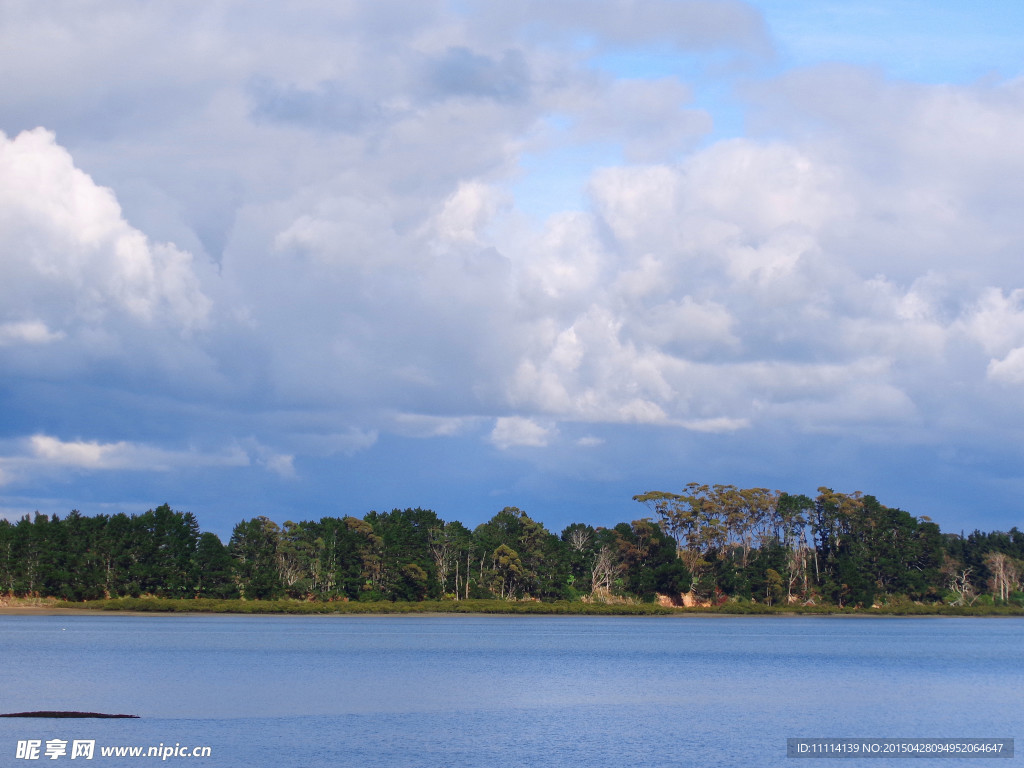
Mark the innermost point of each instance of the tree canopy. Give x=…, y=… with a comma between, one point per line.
x=711, y=543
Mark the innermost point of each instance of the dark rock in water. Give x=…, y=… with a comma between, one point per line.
x=62, y=714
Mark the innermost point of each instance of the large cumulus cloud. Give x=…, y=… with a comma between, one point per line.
x=72, y=265
x=305, y=228
x=855, y=264
x=90, y=309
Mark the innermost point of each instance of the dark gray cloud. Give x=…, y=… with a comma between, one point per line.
x=460, y=71
x=329, y=106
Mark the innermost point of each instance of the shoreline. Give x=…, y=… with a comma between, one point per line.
x=152, y=614
x=54, y=609
x=8, y=611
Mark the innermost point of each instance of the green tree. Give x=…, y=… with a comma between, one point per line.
x=507, y=572
x=405, y=538
x=253, y=546
x=7, y=561
x=164, y=545
x=544, y=567
x=347, y=551
x=117, y=556
x=774, y=591
x=650, y=565
x=214, y=568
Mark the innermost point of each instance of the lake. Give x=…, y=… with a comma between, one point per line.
x=488, y=691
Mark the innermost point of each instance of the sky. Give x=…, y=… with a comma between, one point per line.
x=310, y=259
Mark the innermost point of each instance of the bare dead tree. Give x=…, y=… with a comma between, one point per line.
x=959, y=583
x=796, y=568
x=603, y=574
x=443, y=554
x=578, y=539
x=1005, y=574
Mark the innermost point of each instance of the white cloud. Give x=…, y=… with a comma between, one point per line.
x=28, y=332
x=280, y=464
x=1010, y=369
x=467, y=211
x=367, y=246
x=567, y=261
x=641, y=411
x=68, y=249
x=423, y=425
x=85, y=455
x=347, y=443
x=517, y=431
x=996, y=322
x=46, y=455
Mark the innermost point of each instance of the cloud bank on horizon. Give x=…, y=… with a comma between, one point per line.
x=308, y=259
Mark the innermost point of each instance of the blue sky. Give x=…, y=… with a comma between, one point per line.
x=317, y=259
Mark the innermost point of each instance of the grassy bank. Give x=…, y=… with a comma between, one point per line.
x=159, y=605
x=560, y=608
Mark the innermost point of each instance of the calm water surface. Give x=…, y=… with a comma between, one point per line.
x=458, y=691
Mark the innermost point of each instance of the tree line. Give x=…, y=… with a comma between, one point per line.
x=707, y=544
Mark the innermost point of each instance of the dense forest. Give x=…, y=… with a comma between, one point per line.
x=707, y=545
